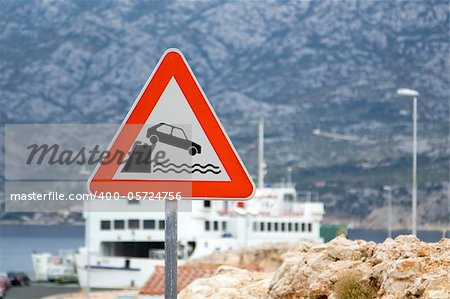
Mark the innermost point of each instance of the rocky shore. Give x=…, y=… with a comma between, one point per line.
x=341, y=269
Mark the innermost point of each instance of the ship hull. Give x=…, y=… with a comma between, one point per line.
x=114, y=272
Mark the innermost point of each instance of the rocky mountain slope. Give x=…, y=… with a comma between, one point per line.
x=308, y=67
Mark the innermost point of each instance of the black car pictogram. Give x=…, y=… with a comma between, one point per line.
x=173, y=136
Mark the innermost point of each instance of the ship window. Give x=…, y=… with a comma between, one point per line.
x=119, y=224
x=289, y=197
x=133, y=224
x=303, y=227
x=275, y=226
x=269, y=226
x=207, y=204
x=283, y=227
x=261, y=226
x=207, y=226
x=255, y=226
x=224, y=225
x=289, y=226
x=105, y=225
x=133, y=249
x=133, y=201
x=161, y=224
x=216, y=226
x=149, y=224
x=296, y=226
x=310, y=227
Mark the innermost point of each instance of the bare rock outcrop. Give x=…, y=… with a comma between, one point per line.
x=229, y=283
x=267, y=257
x=312, y=274
x=396, y=269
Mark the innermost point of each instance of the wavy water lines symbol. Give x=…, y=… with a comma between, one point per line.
x=186, y=165
x=187, y=171
x=183, y=167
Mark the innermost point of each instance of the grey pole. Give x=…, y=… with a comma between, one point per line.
x=289, y=171
x=390, y=213
x=388, y=189
x=171, y=250
x=261, y=153
x=414, y=94
x=414, y=186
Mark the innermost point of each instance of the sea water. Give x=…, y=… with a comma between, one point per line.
x=18, y=242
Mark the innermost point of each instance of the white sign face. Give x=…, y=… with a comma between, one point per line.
x=172, y=121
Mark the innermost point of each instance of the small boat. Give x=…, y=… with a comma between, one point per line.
x=60, y=268
x=18, y=279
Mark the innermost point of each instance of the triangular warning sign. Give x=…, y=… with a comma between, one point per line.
x=172, y=143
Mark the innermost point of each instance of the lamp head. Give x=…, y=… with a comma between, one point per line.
x=407, y=92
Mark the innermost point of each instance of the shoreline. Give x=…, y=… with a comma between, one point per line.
x=11, y=223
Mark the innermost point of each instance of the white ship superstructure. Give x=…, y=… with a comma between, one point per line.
x=124, y=247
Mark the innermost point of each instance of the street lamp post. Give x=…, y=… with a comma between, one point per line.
x=389, y=190
x=414, y=95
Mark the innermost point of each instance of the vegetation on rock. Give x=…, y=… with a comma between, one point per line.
x=350, y=285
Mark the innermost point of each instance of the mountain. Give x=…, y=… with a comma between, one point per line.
x=323, y=74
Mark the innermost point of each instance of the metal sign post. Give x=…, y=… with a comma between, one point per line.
x=171, y=249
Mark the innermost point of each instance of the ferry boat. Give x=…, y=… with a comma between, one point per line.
x=123, y=248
